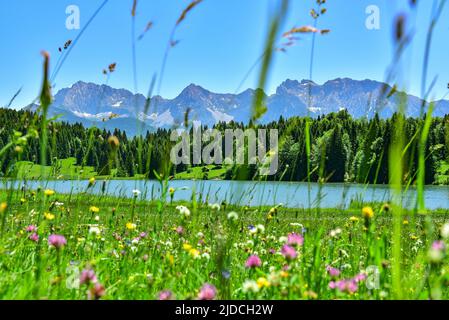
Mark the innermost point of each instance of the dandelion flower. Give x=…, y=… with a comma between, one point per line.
x=130, y=226
x=49, y=216
x=194, y=253
x=49, y=192
x=94, y=209
x=262, y=282
x=186, y=246
x=3, y=207
x=353, y=219
x=367, y=212
x=91, y=181
x=171, y=190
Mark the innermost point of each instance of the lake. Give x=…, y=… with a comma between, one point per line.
x=251, y=193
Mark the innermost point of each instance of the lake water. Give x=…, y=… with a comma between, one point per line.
x=290, y=194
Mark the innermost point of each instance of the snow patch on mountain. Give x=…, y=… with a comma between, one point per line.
x=220, y=116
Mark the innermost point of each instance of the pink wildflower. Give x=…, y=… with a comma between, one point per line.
x=207, y=292
x=253, y=261
x=295, y=239
x=57, y=241
x=289, y=252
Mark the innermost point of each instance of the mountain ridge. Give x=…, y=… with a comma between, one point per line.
x=107, y=107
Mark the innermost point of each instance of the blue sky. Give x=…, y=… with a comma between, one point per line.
x=219, y=41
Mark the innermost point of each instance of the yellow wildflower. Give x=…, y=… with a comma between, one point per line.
x=284, y=274
x=94, y=209
x=23, y=200
x=186, y=247
x=263, y=282
x=171, y=190
x=194, y=253
x=353, y=219
x=405, y=222
x=367, y=212
x=49, y=216
x=130, y=226
x=310, y=294
x=3, y=207
x=413, y=237
x=49, y=192
x=91, y=181
x=171, y=259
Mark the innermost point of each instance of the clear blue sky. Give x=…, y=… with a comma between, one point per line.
x=220, y=40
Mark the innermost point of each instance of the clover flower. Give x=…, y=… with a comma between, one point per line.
x=333, y=272
x=253, y=261
x=88, y=276
x=31, y=228
x=289, y=252
x=57, y=241
x=295, y=239
x=96, y=292
x=207, y=292
x=165, y=295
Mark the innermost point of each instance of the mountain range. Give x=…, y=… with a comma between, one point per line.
x=106, y=107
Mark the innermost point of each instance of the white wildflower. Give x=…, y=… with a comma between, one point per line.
x=250, y=286
x=445, y=230
x=214, y=206
x=233, y=216
x=183, y=210
x=94, y=230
